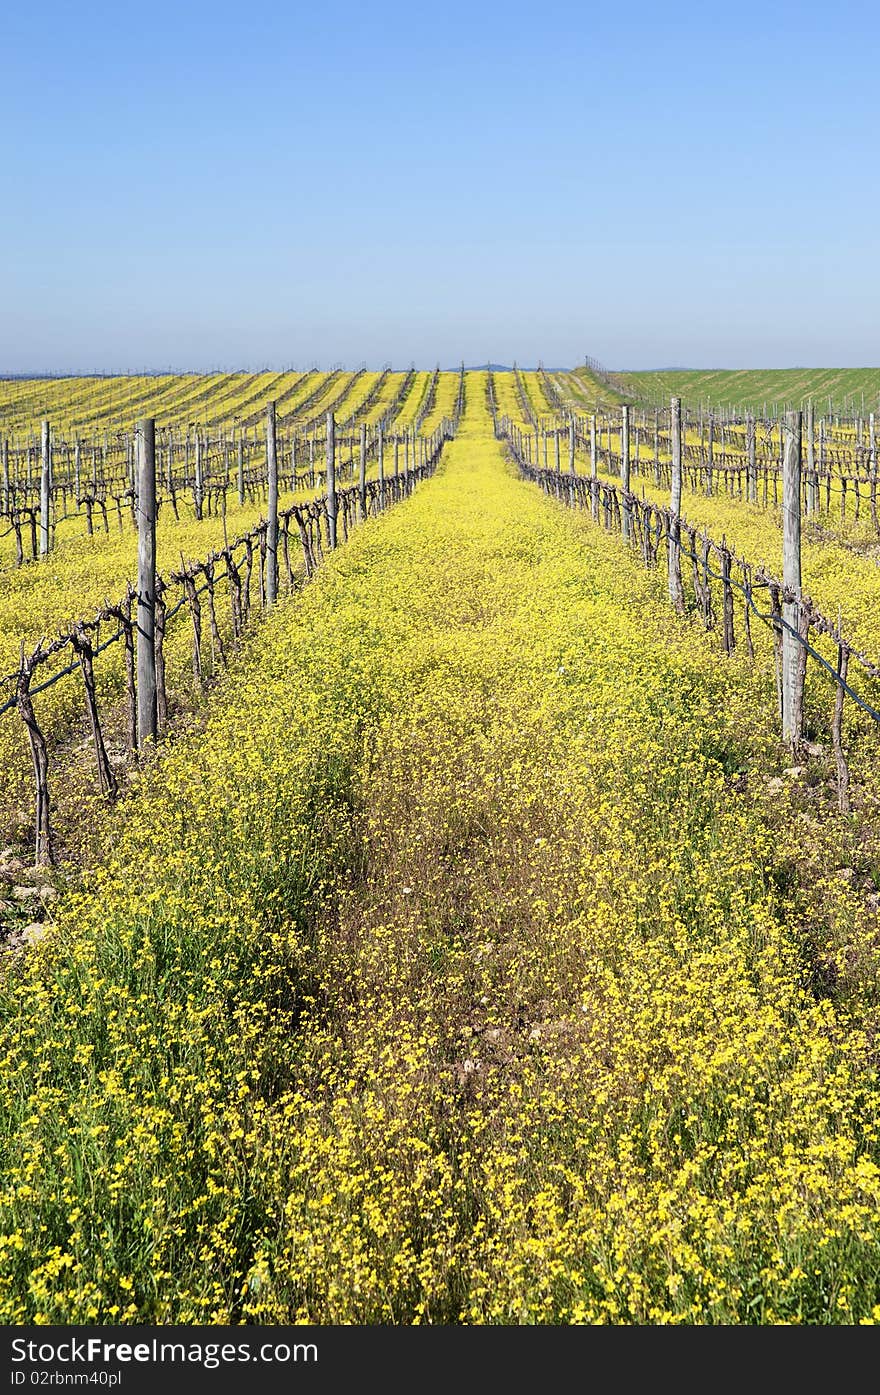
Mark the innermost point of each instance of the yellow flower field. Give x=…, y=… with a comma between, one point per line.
x=470, y=966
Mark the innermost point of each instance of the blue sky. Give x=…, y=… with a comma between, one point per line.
x=230, y=186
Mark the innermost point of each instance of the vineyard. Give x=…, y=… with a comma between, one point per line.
x=846, y=390
x=439, y=848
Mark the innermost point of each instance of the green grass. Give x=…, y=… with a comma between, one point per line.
x=846, y=389
x=584, y=391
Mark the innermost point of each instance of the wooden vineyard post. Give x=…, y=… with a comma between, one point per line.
x=197, y=484
x=571, y=444
x=728, y=638
x=676, y=588
x=362, y=479
x=751, y=467
x=626, y=521
x=594, y=470
x=843, y=801
x=45, y=490
x=240, y=468
x=791, y=575
x=380, y=448
x=331, y=479
x=781, y=457
x=812, y=495
x=147, y=702
x=272, y=521
x=872, y=463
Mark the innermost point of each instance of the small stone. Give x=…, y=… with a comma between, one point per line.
x=26, y=893
x=776, y=784
x=814, y=748
x=846, y=874
x=33, y=932
x=36, y=876
x=794, y=772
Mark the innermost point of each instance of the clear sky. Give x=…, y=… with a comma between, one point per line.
x=207, y=186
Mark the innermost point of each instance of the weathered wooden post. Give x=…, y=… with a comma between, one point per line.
x=626, y=517
x=380, y=451
x=594, y=470
x=676, y=589
x=147, y=701
x=751, y=467
x=197, y=484
x=45, y=491
x=872, y=464
x=362, y=478
x=331, y=478
x=272, y=509
x=812, y=481
x=710, y=456
x=240, y=468
x=791, y=575
x=781, y=453
x=7, y=502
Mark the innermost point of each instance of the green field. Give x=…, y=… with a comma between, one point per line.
x=851, y=391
